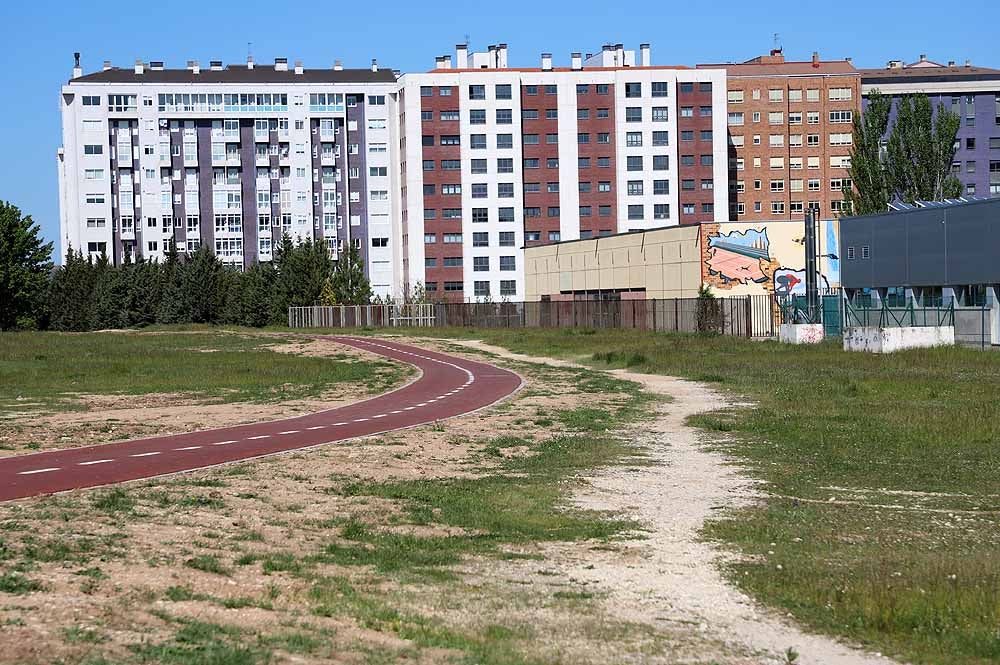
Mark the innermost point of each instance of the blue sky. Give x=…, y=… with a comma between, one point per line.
x=40, y=37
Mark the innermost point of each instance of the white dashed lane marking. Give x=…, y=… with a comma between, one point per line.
x=188, y=448
x=338, y=424
x=96, y=461
x=291, y=431
x=144, y=454
x=223, y=443
x=262, y=436
x=34, y=471
x=316, y=427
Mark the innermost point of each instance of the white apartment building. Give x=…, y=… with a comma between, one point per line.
x=232, y=157
x=495, y=158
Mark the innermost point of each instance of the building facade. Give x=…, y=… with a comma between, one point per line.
x=495, y=159
x=972, y=93
x=790, y=135
x=233, y=158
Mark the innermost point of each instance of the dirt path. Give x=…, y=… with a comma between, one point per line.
x=675, y=578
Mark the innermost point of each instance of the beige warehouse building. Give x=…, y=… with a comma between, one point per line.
x=733, y=258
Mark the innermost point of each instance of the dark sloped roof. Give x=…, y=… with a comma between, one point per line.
x=238, y=74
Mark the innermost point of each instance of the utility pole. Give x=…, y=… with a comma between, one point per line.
x=812, y=281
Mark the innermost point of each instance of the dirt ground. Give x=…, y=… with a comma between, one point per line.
x=220, y=546
x=110, y=418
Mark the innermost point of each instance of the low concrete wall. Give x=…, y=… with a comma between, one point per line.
x=801, y=333
x=975, y=326
x=887, y=340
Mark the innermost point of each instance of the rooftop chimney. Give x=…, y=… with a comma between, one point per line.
x=138, y=66
x=951, y=63
x=547, y=62
x=249, y=61
x=447, y=62
x=77, y=69
x=374, y=65
x=895, y=64
x=923, y=57
x=215, y=65
x=156, y=66
x=194, y=67
x=461, y=56
x=298, y=67
x=968, y=63
x=576, y=61
x=502, y=56
x=338, y=66
x=815, y=60
x=849, y=61
x=644, y=57
x=107, y=65
x=619, y=55
x=281, y=64
x=439, y=62
x=588, y=56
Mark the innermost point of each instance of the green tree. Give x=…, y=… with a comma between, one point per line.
x=921, y=150
x=872, y=190
x=257, y=285
x=301, y=269
x=71, y=293
x=144, y=285
x=350, y=284
x=25, y=266
x=110, y=308
x=172, y=307
x=202, y=283
x=326, y=296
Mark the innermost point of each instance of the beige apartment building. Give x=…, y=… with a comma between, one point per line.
x=790, y=135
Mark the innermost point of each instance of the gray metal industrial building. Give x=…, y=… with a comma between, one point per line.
x=929, y=255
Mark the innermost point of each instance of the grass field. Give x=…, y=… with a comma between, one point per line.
x=46, y=371
x=883, y=473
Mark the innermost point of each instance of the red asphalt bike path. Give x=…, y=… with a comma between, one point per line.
x=448, y=387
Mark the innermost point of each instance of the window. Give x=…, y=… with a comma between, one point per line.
x=840, y=94
x=660, y=89
x=777, y=185
x=687, y=87
x=553, y=211
x=505, y=190
x=508, y=263
x=706, y=160
x=585, y=211
x=865, y=252
x=531, y=163
x=705, y=111
x=505, y=141
x=456, y=190
x=775, y=95
x=552, y=163
x=453, y=286
x=477, y=92
x=635, y=212
x=480, y=239
x=583, y=114
x=529, y=139
x=551, y=139
x=813, y=185
x=506, y=238
x=687, y=160
x=795, y=95
x=480, y=215
x=551, y=114
x=93, y=174
x=633, y=114
x=633, y=90
x=777, y=207
x=505, y=165
x=477, y=116
x=661, y=187
x=633, y=139
x=633, y=163
x=583, y=137
x=795, y=140
x=505, y=117
x=604, y=137
x=582, y=88
x=508, y=287
x=734, y=96
x=662, y=162
x=93, y=149
x=95, y=198
x=812, y=117
x=837, y=117
x=776, y=140
x=451, y=165
x=812, y=95
x=552, y=187
x=551, y=90
x=795, y=163
x=755, y=117
x=687, y=184
x=477, y=141
x=451, y=213
x=503, y=91
x=812, y=139
x=91, y=100
x=532, y=212
x=604, y=186
x=775, y=118
x=661, y=138
x=840, y=139
x=812, y=162
x=705, y=135
x=603, y=89
x=426, y=91
x=735, y=118
x=661, y=114
x=532, y=187
x=795, y=118
x=635, y=187
x=603, y=113
x=481, y=289
x=451, y=139
x=603, y=162
x=453, y=238
x=480, y=263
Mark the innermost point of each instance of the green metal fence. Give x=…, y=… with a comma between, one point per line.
x=888, y=316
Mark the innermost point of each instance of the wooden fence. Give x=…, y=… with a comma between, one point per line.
x=361, y=316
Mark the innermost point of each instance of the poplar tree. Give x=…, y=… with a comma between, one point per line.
x=25, y=265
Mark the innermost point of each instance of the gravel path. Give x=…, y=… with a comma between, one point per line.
x=676, y=580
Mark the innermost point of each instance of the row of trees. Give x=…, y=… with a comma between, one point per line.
x=88, y=294
x=913, y=164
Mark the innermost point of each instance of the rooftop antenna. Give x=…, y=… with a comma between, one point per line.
x=249, y=50
x=777, y=42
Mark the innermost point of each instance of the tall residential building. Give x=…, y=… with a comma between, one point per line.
x=973, y=93
x=790, y=135
x=231, y=157
x=496, y=158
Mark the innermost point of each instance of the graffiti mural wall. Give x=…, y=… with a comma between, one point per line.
x=747, y=258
